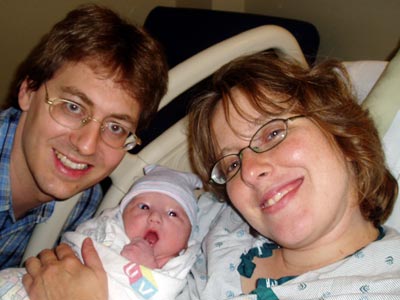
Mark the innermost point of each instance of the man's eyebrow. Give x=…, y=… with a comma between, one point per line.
x=78, y=93
x=124, y=117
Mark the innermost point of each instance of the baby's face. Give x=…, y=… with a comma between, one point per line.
x=161, y=221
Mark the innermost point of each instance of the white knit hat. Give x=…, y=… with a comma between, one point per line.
x=175, y=184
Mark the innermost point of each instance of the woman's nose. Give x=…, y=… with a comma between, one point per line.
x=253, y=166
x=86, y=138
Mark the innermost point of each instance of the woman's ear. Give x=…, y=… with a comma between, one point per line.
x=25, y=95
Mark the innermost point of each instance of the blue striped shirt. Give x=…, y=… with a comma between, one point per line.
x=15, y=234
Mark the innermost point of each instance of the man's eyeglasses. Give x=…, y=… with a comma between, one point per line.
x=74, y=116
x=266, y=137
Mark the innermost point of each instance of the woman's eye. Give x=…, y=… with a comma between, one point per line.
x=143, y=206
x=267, y=137
x=232, y=166
x=274, y=134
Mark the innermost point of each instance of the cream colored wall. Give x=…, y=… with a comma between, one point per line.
x=23, y=22
x=231, y=5
x=349, y=29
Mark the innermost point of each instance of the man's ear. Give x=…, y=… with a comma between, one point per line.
x=25, y=95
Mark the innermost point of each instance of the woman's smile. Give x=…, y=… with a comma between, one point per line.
x=276, y=195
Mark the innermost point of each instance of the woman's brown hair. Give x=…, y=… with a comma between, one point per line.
x=322, y=93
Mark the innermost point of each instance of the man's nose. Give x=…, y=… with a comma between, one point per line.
x=86, y=138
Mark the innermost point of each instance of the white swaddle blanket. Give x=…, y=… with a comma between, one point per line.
x=126, y=280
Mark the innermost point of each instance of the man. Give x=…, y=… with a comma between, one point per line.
x=83, y=93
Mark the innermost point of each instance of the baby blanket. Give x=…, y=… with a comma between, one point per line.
x=126, y=280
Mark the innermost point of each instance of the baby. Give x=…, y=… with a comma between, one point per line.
x=145, y=243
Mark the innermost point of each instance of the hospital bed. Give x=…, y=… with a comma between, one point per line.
x=383, y=98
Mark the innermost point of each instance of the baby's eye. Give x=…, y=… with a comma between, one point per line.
x=143, y=206
x=172, y=213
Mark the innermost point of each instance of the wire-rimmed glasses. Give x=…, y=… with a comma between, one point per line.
x=73, y=115
x=265, y=138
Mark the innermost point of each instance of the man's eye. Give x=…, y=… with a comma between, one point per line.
x=116, y=129
x=143, y=206
x=72, y=108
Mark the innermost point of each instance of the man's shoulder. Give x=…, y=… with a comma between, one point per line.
x=93, y=192
x=9, y=119
x=9, y=116
x=89, y=201
x=9, y=112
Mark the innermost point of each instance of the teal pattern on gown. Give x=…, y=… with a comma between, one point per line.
x=263, y=285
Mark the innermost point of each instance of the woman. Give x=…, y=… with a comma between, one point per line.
x=302, y=163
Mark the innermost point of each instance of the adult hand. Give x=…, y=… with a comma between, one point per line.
x=60, y=275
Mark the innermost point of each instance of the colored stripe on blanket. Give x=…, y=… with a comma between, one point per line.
x=141, y=280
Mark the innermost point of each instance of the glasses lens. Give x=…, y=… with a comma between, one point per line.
x=268, y=136
x=115, y=134
x=225, y=169
x=72, y=115
x=68, y=113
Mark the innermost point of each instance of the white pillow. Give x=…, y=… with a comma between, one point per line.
x=364, y=74
x=383, y=102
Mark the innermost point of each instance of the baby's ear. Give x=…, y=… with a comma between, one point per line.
x=25, y=95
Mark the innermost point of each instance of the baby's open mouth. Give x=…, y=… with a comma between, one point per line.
x=151, y=237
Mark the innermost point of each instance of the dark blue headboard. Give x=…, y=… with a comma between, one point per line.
x=186, y=31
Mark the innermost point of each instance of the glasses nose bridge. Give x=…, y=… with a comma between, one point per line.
x=89, y=118
x=240, y=153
